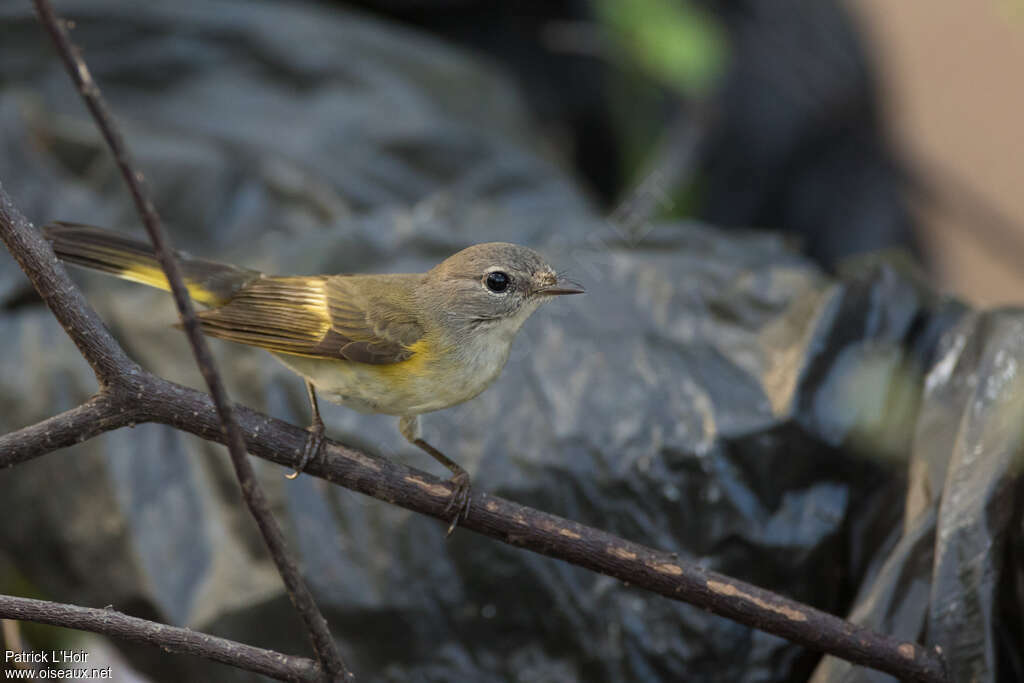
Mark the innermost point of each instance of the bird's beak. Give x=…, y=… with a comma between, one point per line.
x=562, y=286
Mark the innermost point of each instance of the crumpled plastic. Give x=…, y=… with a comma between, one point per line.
x=852, y=442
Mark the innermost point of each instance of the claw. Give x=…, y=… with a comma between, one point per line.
x=314, y=444
x=460, y=500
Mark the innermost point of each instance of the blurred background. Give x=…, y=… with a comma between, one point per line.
x=945, y=71
x=795, y=220
x=742, y=113
x=853, y=125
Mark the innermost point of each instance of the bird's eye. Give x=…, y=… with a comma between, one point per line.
x=497, y=281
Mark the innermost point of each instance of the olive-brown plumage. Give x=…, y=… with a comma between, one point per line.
x=399, y=344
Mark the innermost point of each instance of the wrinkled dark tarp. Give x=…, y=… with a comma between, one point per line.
x=713, y=394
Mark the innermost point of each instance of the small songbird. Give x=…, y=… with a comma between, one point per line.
x=402, y=344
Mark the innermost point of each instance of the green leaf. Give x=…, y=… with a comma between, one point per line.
x=674, y=41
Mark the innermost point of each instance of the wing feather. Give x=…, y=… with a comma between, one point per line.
x=336, y=317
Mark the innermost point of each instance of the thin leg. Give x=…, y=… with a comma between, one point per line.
x=461, y=499
x=315, y=442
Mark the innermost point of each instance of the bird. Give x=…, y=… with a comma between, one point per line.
x=397, y=344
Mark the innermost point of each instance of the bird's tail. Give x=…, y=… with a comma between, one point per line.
x=208, y=282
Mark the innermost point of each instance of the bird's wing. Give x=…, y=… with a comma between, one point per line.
x=337, y=317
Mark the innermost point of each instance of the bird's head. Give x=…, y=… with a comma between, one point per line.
x=492, y=286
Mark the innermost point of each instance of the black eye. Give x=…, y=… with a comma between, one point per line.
x=497, y=281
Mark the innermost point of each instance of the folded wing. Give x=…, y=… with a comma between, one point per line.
x=333, y=317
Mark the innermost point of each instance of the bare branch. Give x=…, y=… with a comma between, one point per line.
x=99, y=414
x=36, y=258
x=169, y=638
x=252, y=493
x=153, y=399
x=556, y=537
x=158, y=400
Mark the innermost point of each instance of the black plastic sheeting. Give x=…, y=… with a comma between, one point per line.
x=853, y=443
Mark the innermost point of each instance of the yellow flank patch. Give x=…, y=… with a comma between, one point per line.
x=154, y=277
x=414, y=367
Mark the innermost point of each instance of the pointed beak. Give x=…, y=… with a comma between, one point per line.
x=562, y=286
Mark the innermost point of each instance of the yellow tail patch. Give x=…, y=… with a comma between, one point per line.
x=154, y=277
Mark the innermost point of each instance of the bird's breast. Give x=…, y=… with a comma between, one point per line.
x=436, y=376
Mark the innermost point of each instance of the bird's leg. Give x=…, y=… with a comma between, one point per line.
x=315, y=441
x=460, y=501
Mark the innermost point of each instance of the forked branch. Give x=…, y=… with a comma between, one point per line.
x=255, y=499
x=129, y=394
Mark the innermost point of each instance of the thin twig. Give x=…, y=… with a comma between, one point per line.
x=114, y=406
x=169, y=638
x=102, y=413
x=60, y=294
x=301, y=597
x=153, y=399
x=158, y=400
x=550, y=535
x=188, y=410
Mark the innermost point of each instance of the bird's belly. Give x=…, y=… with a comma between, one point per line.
x=407, y=388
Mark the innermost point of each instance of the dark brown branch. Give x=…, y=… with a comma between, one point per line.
x=559, y=538
x=639, y=566
x=169, y=638
x=99, y=414
x=252, y=493
x=48, y=276
x=157, y=400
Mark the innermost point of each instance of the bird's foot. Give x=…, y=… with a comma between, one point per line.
x=458, y=504
x=314, y=444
